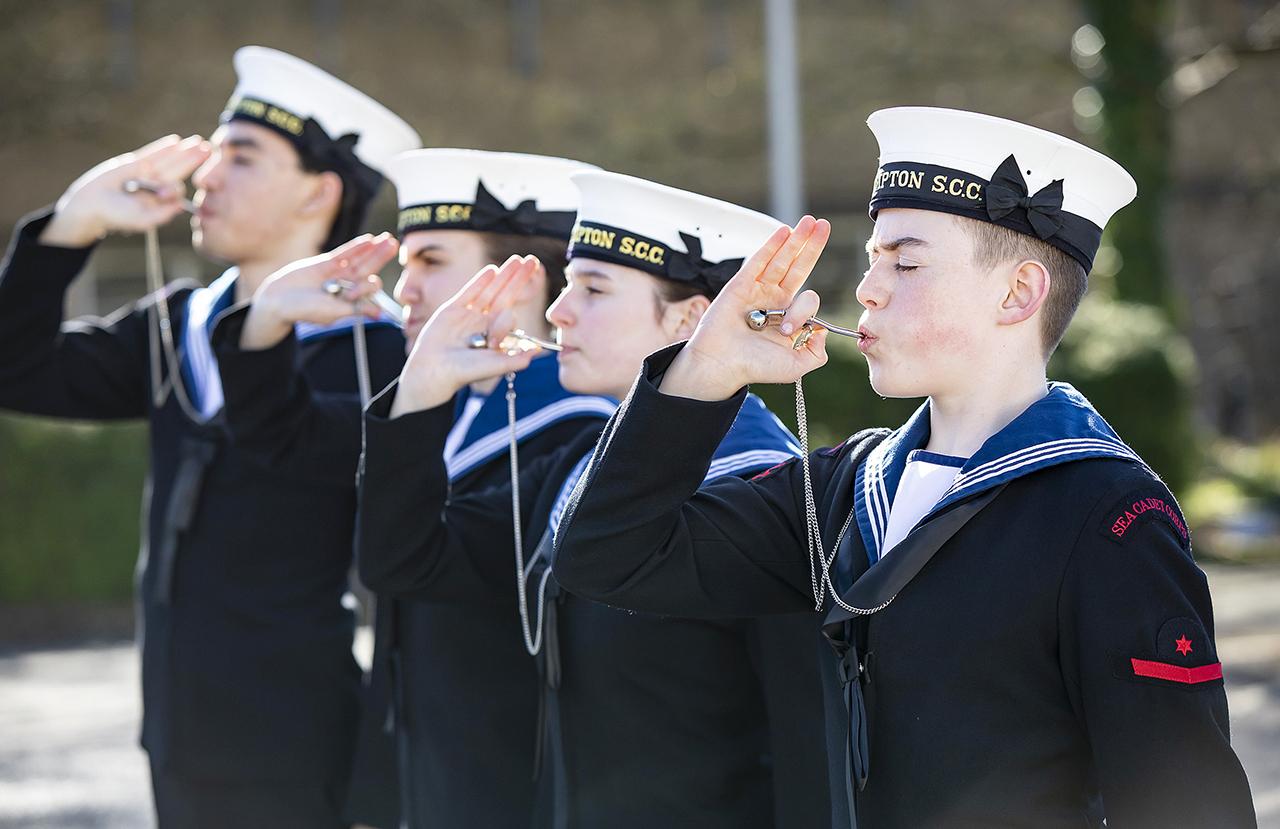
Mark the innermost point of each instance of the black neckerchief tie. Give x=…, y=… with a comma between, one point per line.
x=1008, y=192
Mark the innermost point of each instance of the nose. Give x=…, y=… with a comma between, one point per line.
x=208, y=176
x=872, y=292
x=559, y=312
x=408, y=291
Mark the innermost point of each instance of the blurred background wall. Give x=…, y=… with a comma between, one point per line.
x=1176, y=343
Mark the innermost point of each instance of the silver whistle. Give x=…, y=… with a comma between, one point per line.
x=514, y=343
x=760, y=319
x=135, y=185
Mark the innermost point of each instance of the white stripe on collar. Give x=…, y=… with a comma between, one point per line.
x=198, y=351
x=496, y=442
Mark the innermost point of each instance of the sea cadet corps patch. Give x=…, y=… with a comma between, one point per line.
x=1136, y=509
x=1184, y=657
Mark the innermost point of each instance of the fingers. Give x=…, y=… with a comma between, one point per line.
x=817, y=348
x=489, y=363
x=178, y=161
x=470, y=294
x=781, y=261
x=484, y=301
x=376, y=252
x=743, y=282
x=803, y=265
x=149, y=150
x=759, y=261
x=804, y=306
x=356, y=259
x=512, y=290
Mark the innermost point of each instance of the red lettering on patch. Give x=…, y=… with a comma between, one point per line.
x=1121, y=523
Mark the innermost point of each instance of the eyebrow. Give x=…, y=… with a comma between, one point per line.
x=593, y=274
x=425, y=249
x=901, y=242
x=242, y=143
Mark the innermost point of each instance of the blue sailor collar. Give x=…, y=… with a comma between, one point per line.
x=541, y=402
x=1058, y=428
x=756, y=441
x=200, y=366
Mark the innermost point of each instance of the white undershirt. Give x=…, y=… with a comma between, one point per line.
x=927, y=476
x=460, y=426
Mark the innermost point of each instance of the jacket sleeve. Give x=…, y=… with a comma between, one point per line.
x=86, y=368
x=1141, y=667
x=412, y=538
x=642, y=532
x=274, y=409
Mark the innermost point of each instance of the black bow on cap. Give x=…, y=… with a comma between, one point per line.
x=691, y=267
x=343, y=153
x=339, y=155
x=1008, y=192
x=492, y=215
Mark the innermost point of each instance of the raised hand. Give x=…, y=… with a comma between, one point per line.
x=299, y=292
x=444, y=359
x=96, y=203
x=724, y=354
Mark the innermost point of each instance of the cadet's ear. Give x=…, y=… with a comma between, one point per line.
x=325, y=196
x=1028, y=288
x=681, y=318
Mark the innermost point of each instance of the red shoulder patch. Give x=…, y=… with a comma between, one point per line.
x=1133, y=511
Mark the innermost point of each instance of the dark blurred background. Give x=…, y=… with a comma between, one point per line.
x=1176, y=342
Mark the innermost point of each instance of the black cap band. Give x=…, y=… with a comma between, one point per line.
x=1003, y=201
x=487, y=215
x=310, y=140
x=622, y=247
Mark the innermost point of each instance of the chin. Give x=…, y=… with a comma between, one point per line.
x=580, y=383
x=885, y=385
x=208, y=245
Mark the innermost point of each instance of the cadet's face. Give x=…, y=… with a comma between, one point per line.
x=435, y=265
x=606, y=316
x=248, y=192
x=926, y=312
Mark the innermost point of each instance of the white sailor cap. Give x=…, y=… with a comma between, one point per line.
x=999, y=171
x=325, y=118
x=485, y=191
x=670, y=233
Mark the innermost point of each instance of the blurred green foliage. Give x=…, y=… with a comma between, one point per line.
x=69, y=497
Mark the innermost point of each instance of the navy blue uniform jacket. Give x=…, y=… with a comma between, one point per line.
x=247, y=671
x=1053, y=662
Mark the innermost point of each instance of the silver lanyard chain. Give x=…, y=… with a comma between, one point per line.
x=532, y=632
x=362, y=361
x=820, y=564
x=159, y=321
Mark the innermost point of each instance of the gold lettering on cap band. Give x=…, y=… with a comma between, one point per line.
x=631, y=246
x=431, y=215
x=275, y=116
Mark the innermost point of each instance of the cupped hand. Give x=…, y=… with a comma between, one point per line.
x=97, y=203
x=301, y=291
x=443, y=359
x=725, y=353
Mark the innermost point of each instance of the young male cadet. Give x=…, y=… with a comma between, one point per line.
x=443, y=683
x=249, y=686
x=1020, y=634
